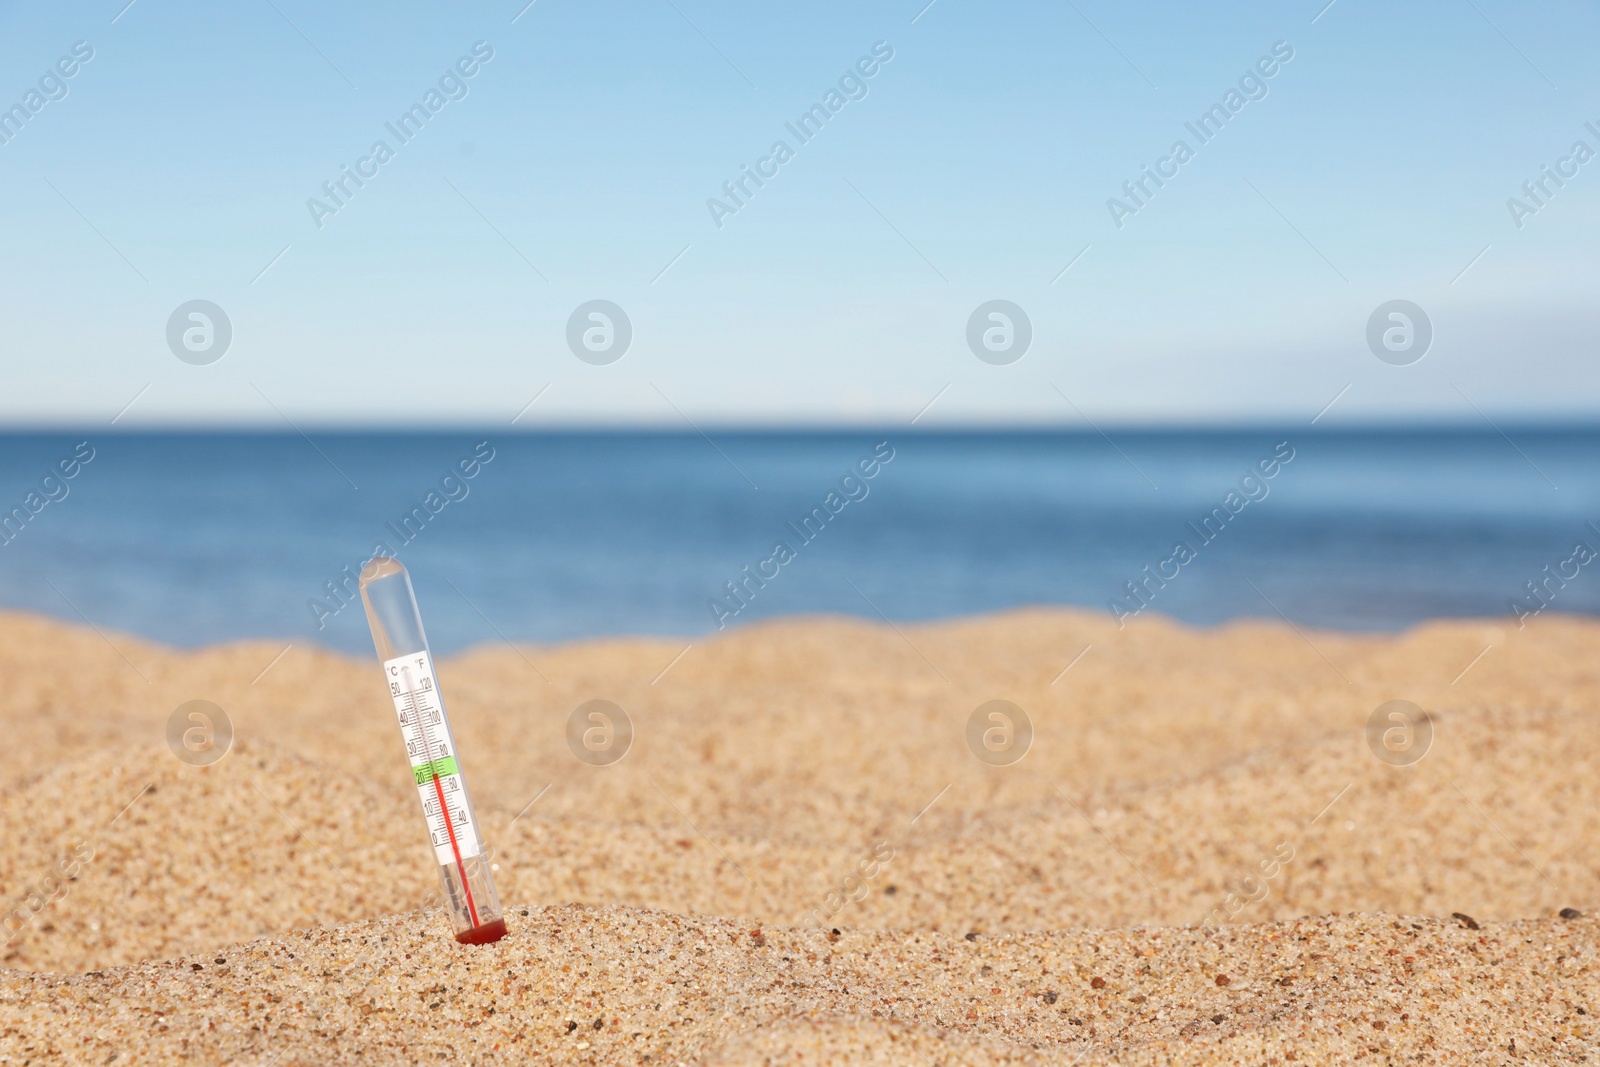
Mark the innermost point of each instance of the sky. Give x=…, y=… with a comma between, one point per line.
x=983, y=159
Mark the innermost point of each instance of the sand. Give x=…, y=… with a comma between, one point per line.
x=1199, y=860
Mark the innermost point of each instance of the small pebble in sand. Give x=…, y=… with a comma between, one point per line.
x=1097, y=982
x=1466, y=920
x=1223, y=979
x=1571, y=913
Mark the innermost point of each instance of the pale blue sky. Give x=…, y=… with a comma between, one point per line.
x=978, y=166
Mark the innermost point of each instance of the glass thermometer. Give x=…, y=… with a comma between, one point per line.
x=452, y=826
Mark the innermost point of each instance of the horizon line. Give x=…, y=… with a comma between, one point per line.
x=1408, y=425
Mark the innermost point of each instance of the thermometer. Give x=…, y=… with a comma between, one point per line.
x=435, y=764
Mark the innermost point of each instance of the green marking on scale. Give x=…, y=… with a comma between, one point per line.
x=444, y=766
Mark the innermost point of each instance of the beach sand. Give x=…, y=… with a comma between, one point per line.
x=1200, y=859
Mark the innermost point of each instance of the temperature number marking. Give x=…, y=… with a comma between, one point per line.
x=433, y=763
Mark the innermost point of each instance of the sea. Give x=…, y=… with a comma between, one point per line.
x=195, y=538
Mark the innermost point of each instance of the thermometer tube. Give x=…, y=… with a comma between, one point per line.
x=452, y=825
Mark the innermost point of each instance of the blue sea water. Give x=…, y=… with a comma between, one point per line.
x=201, y=537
